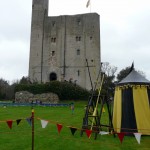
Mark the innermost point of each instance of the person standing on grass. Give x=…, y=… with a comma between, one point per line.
x=72, y=108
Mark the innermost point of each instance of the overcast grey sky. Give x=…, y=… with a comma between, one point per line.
x=125, y=32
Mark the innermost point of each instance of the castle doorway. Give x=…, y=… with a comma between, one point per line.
x=53, y=76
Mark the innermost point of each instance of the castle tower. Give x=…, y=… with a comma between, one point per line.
x=60, y=46
x=39, y=15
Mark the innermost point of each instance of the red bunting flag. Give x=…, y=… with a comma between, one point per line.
x=59, y=127
x=88, y=133
x=121, y=136
x=9, y=123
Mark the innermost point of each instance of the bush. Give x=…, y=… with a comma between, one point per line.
x=65, y=90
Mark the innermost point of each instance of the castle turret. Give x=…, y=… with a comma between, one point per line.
x=39, y=15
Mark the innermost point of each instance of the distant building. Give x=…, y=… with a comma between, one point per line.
x=60, y=46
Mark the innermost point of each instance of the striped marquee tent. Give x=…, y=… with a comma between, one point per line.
x=131, y=111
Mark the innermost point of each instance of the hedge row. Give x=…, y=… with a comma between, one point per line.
x=65, y=90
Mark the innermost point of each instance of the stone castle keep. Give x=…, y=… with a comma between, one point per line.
x=60, y=46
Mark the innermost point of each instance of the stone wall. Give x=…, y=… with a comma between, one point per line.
x=64, y=40
x=27, y=97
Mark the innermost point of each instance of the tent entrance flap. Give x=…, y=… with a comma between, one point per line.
x=128, y=122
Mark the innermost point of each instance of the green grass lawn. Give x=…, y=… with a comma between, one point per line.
x=19, y=137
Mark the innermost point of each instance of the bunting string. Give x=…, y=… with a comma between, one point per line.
x=17, y=121
x=72, y=129
x=94, y=131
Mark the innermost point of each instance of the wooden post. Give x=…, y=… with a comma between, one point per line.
x=32, y=129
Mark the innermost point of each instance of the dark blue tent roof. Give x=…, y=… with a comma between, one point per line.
x=135, y=78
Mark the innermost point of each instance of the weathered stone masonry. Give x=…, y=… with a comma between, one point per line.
x=60, y=46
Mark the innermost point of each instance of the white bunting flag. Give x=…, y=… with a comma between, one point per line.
x=44, y=123
x=103, y=132
x=138, y=137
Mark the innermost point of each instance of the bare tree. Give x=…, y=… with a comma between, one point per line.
x=108, y=69
x=108, y=85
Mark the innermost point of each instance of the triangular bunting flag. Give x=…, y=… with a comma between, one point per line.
x=103, y=132
x=9, y=123
x=18, y=121
x=59, y=127
x=73, y=130
x=138, y=137
x=121, y=136
x=44, y=123
x=29, y=120
x=88, y=133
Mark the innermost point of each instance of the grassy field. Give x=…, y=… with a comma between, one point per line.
x=19, y=137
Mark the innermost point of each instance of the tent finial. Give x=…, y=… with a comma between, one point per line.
x=132, y=67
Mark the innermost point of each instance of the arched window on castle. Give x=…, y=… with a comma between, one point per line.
x=53, y=39
x=78, y=72
x=53, y=23
x=78, y=51
x=53, y=53
x=78, y=21
x=78, y=38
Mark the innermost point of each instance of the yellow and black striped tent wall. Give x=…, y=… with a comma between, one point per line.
x=131, y=112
